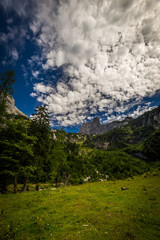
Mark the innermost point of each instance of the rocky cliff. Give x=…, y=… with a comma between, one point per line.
x=11, y=108
x=95, y=126
x=148, y=118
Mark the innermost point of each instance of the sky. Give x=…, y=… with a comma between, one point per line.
x=82, y=58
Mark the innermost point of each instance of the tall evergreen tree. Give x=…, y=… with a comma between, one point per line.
x=40, y=128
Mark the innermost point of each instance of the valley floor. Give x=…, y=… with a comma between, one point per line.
x=92, y=211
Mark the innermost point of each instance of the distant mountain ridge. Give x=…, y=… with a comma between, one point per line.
x=146, y=119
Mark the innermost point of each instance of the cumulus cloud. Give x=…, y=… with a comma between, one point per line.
x=138, y=111
x=41, y=88
x=108, y=49
x=14, y=29
x=22, y=8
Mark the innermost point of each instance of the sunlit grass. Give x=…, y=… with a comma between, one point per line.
x=90, y=211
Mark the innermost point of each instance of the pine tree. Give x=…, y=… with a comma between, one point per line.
x=40, y=128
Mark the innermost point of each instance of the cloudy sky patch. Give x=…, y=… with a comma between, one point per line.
x=108, y=50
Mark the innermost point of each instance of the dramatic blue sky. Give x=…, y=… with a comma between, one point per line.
x=82, y=58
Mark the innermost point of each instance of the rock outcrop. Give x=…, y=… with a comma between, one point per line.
x=95, y=126
x=11, y=108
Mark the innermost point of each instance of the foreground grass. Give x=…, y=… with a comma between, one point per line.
x=90, y=211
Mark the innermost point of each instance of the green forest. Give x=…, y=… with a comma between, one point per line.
x=31, y=152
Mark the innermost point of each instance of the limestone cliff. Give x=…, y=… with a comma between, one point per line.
x=11, y=108
x=147, y=119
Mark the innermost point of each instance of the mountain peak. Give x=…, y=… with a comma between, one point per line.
x=96, y=120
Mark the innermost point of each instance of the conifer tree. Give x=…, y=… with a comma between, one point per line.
x=40, y=128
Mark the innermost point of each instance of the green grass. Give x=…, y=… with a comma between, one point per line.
x=93, y=211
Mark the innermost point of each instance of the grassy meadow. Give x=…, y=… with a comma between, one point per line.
x=92, y=211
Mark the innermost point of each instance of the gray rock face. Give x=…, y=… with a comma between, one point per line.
x=95, y=126
x=11, y=108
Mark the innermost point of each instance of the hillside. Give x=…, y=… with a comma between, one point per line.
x=86, y=212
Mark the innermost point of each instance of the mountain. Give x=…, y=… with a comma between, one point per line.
x=147, y=119
x=150, y=118
x=96, y=127
x=11, y=108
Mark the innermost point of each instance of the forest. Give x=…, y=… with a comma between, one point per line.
x=31, y=152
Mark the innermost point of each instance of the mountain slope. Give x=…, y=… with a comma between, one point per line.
x=147, y=119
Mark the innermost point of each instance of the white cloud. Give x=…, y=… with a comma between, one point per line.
x=15, y=54
x=134, y=114
x=41, y=88
x=35, y=73
x=33, y=95
x=108, y=49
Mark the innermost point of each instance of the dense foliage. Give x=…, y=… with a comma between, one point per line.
x=16, y=156
x=152, y=146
